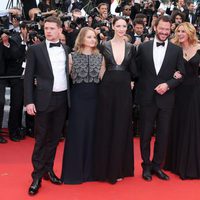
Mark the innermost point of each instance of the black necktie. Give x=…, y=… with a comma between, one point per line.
x=54, y=44
x=160, y=44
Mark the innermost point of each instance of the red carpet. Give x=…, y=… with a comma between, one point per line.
x=15, y=178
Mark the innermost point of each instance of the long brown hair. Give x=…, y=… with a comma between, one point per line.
x=79, y=43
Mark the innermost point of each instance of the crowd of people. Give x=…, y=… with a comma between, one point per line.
x=88, y=70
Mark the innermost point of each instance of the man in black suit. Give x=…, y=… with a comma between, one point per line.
x=2, y=91
x=13, y=54
x=157, y=62
x=46, y=89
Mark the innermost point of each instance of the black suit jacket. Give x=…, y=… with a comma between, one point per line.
x=39, y=67
x=148, y=79
x=2, y=62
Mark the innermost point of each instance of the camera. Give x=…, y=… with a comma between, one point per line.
x=18, y=18
x=3, y=30
x=94, y=12
x=38, y=17
x=34, y=34
x=65, y=18
x=4, y=21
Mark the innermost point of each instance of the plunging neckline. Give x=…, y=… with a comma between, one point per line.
x=112, y=52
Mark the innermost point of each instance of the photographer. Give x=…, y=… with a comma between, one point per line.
x=150, y=8
x=138, y=35
x=2, y=91
x=72, y=25
x=127, y=4
x=179, y=5
x=101, y=21
x=46, y=5
x=14, y=57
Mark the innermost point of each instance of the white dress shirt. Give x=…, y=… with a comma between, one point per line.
x=58, y=62
x=159, y=54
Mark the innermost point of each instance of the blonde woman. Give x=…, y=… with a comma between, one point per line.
x=184, y=142
x=85, y=66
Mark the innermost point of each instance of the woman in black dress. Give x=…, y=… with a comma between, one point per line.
x=113, y=155
x=183, y=156
x=85, y=65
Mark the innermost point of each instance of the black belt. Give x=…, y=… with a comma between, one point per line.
x=116, y=68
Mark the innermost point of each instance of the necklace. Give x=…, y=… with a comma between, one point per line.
x=186, y=51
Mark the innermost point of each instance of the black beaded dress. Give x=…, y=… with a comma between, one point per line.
x=113, y=155
x=183, y=155
x=77, y=159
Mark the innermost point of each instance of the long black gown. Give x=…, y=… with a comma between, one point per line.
x=78, y=151
x=183, y=155
x=113, y=155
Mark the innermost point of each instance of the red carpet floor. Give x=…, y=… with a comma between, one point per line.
x=15, y=170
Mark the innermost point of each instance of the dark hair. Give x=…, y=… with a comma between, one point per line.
x=138, y=21
x=54, y=20
x=177, y=13
x=140, y=15
x=164, y=19
x=117, y=18
x=189, y=3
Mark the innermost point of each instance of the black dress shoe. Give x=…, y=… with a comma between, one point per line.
x=160, y=174
x=34, y=187
x=146, y=174
x=30, y=133
x=112, y=182
x=2, y=140
x=52, y=177
x=15, y=138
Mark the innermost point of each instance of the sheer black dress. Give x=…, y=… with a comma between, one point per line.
x=113, y=155
x=183, y=155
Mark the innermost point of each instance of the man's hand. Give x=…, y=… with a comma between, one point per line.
x=162, y=88
x=30, y=108
x=177, y=75
x=132, y=85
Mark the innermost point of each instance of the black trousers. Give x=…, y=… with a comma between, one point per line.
x=16, y=104
x=148, y=116
x=48, y=130
x=2, y=101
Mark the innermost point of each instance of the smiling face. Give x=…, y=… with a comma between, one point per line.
x=162, y=30
x=90, y=39
x=182, y=35
x=120, y=27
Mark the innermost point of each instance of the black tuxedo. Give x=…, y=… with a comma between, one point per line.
x=153, y=106
x=193, y=18
x=51, y=107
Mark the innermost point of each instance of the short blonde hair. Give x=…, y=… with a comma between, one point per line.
x=79, y=43
x=191, y=32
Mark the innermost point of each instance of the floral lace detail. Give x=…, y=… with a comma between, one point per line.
x=86, y=67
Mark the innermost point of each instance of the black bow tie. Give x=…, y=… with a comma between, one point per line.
x=54, y=44
x=160, y=44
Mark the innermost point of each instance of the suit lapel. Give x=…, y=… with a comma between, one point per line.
x=66, y=53
x=150, y=53
x=46, y=55
x=166, y=57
